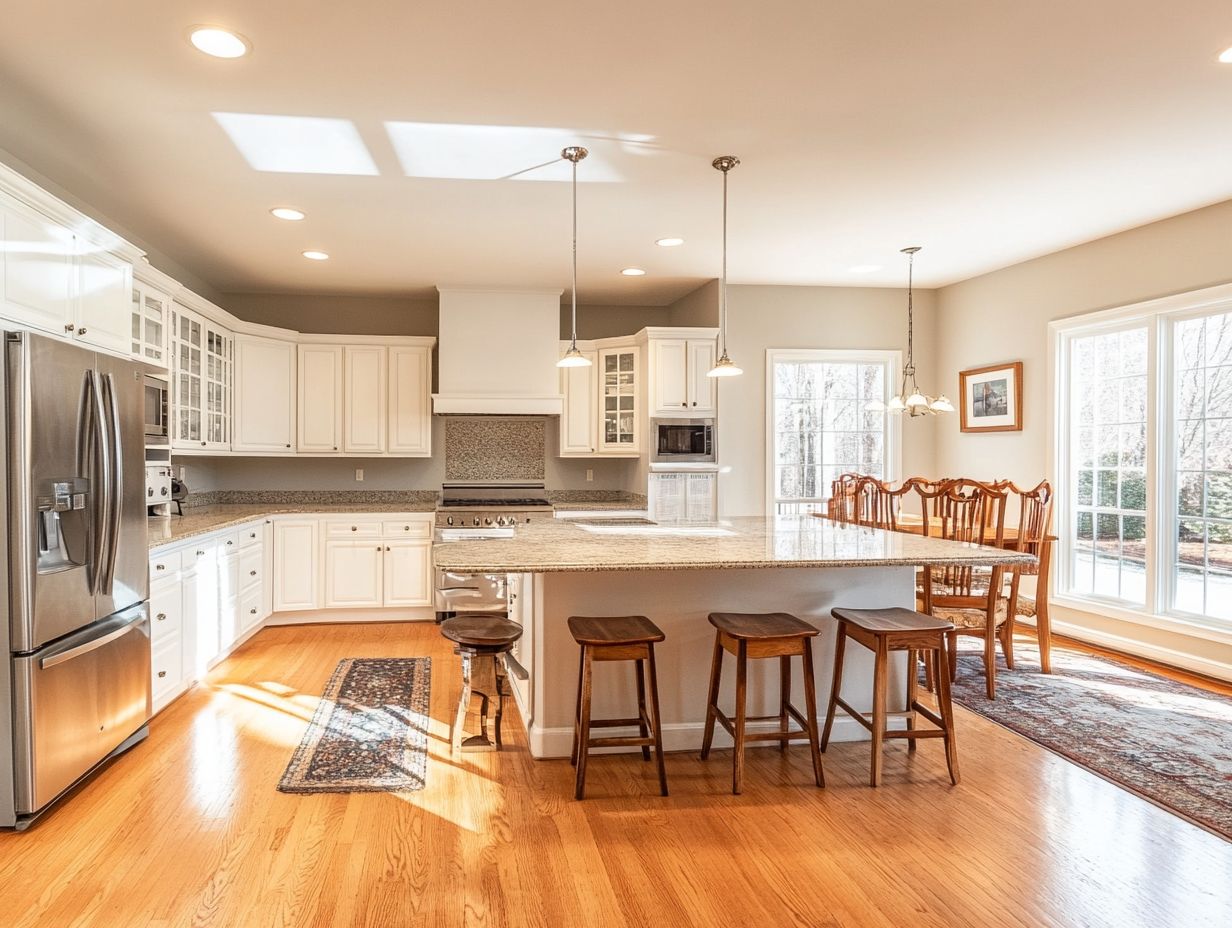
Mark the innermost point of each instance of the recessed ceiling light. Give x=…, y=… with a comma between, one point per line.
x=864, y=268
x=287, y=213
x=316, y=255
x=669, y=242
x=219, y=42
x=633, y=272
x=1226, y=56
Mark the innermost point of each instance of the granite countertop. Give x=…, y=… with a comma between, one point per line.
x=794, y=541
x=200, y=520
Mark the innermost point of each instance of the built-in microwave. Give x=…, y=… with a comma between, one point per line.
x=683, y=441
x=156, y=413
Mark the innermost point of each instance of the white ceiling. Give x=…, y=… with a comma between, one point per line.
x=986, y=131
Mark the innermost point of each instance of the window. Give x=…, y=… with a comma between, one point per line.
x=1145, y=457
x=818, y=427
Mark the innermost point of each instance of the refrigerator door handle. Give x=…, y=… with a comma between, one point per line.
x=101, y=483
x=85, y=468
x=64, y=657
x=115, y=482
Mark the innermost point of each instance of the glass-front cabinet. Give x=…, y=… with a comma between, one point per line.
x=619, y=385
x=202, y=354
x=151, y=310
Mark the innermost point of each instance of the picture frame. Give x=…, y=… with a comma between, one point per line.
x=991, y=398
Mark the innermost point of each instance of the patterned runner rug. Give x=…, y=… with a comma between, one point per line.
x=1169, y=742
x=369, y=732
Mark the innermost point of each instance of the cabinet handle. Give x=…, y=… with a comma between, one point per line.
x=161, y=674
x=161, y=616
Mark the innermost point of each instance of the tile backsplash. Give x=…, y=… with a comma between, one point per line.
x=493, y=448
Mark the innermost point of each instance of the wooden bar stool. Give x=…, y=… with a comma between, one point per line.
x=617, y=638
x=480, y=639
x=763, y=635
x=883, y=631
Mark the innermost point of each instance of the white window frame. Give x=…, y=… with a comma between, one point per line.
x=1157, y=316
x=892, y=435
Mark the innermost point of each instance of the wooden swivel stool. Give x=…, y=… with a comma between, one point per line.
x=883, y=631
x=481, y=639
x=762, y=635
x=617, y=638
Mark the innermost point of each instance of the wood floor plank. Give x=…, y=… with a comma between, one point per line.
x=189, y=830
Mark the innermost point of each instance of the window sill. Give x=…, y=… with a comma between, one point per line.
x=1169, y=623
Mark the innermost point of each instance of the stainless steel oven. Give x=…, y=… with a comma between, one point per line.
x=156, y=411
x=683, y=441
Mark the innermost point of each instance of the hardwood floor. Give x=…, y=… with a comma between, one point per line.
x=188, y=829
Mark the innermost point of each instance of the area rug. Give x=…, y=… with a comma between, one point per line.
x=369, y=732
x=1169, y=742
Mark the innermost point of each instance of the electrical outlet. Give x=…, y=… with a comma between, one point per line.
x=359, y=474
x=590, y=475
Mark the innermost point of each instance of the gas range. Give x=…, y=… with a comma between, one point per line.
x=474, y=507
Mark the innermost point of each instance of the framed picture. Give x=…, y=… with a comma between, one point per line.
x=991, y=398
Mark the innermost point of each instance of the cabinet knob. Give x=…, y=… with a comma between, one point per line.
x=161, y=616
x=161, y=674
x=252, y=573
x=353, y=528
x=160, y=566
x=200, y=554
x=335, y=447
x=406, y=528
x=203, y=444
x=252, y=611
x=68, y=327
x=229, y=543
x=288, y=444
x=82, y=330
x=387, y=547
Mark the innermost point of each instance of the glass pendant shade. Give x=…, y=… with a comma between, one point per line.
x=573, y=358
x=941, y=404
x=725, y=367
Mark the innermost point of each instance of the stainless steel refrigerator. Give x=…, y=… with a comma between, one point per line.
x=76, y=574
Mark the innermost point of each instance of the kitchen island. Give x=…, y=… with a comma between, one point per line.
x=676, y=575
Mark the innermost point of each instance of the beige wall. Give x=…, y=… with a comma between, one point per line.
x=611, y=321
x=762, y=317
x=336, y=315
x=1004, y=316
x=700, y=307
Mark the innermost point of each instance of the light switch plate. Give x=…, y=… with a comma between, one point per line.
x=359, y=474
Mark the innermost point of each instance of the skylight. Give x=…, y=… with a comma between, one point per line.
x=298, y=144
x=461, y=152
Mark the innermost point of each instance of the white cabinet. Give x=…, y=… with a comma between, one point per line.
x=265, y=389
x=38, y=270
x=201, y=359
x=619, y=382
x=150, y=315
x=680, y=387
x=683, y=496
x=408, y=573
x=364, y=399
x=579, y=420
x=320, y=398
x=410, y=402
x=296, y=570
x=353, y=574
x=104, y=300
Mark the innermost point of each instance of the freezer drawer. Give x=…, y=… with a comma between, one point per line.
x=76, y=701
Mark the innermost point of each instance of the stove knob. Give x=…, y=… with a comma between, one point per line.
x=487, y=521
x=449, y=520
x=476, y=520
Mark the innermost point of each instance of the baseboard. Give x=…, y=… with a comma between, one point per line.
x=685, y=736
x=353, y=616
x=1169, y=656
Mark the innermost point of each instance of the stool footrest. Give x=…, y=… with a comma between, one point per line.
x=799, y=734
x=618, y=723
x=631, y=741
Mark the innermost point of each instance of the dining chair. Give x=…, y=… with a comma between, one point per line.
x=972, y=598
x=1034, y=537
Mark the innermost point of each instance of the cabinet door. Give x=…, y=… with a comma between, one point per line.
x=187, y=372
x=149, y=324
x=410, y=412
x=295, y=565
x=104, y=301
x=364, y=400
x=702, y=389
x=190, y=624
x=408, y=573
x=320, y=398
x=353, y=574
x=38, y=270
x=671, y=387
x=216, y=412
x=579, y=418
x=618, y=387
x=264, y=395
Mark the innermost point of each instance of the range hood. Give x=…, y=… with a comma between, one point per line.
x=497, y=353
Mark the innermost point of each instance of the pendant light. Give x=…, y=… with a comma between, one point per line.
x=910, y=399
x=573, y=357
x=725, y=366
